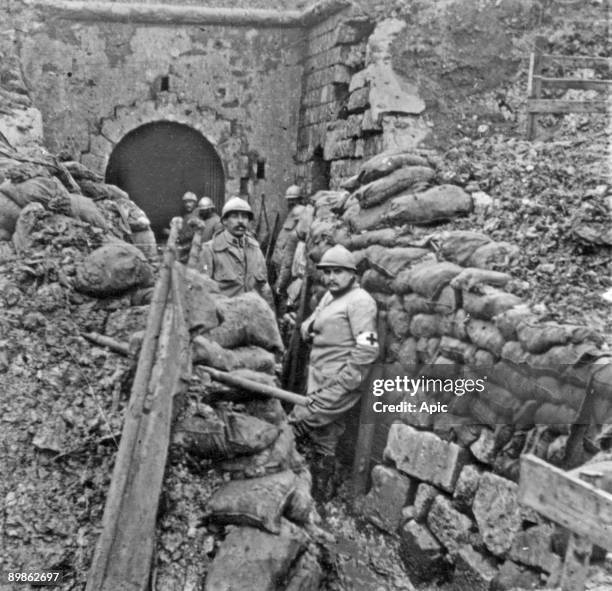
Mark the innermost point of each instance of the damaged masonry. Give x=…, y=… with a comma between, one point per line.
x=446, y=165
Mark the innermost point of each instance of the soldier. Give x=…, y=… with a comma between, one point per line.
x=233, y=257
x=185, y=235
x=342, y=330
x=287, y=240
x=210, y=220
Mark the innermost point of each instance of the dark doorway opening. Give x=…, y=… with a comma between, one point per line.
x=158, y=162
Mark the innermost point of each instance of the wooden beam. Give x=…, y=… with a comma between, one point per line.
x=565, y=499
x=535, y=87
x=561, y=106
x=574, y=83
x=172, y=14
x=579, y=61
x=136, y=481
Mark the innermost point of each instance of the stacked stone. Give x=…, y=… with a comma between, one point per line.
x=456, y=518
x=265, y=500
x=335, y=50
x=450, y=319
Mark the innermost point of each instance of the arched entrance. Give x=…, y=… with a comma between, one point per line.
x=158, y=162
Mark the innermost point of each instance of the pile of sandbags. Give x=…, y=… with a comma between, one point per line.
x=266, y=502
x=71, y=190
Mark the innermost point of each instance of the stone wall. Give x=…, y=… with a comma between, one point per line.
x=95, y=81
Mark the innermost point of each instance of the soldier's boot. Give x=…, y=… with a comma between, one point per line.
x=323, y=478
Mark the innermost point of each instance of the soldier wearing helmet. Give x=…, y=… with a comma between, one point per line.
x=342, y=330
x=287, y=239
x=185, y=235
x=210, y=222
x=233, y=257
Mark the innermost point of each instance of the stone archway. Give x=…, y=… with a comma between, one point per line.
x=224, y=135
x=156, y=163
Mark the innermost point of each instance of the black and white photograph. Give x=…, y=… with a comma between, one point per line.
x=305, y=295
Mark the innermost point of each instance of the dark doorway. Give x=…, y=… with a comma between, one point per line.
x=158, y=162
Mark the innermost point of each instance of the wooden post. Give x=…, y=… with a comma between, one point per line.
x=124, y=550
x=367, y=417
x=534, y=90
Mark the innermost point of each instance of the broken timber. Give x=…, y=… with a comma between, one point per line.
x=568, y=500
x=124, y=551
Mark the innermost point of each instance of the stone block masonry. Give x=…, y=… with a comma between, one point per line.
x=425, y=456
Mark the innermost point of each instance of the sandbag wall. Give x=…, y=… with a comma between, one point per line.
x=448, y=480
x=264, y=493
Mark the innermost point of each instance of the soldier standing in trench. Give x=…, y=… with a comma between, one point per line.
x=342, y=330
x=286, y=241
x=206, y=221
x=185, y=235
x=233, y=257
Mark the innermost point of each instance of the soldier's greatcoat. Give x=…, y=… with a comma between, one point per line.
x=236, y=264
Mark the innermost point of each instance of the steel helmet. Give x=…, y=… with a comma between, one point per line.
x=337, y=256
x=206, y=203
x=189, y=196
x=293, y=192
x=236, y=204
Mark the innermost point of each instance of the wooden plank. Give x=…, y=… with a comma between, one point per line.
x=566, y=106
x=535, y=86
x=576, y=563
x=367, y=416
x=579, y=61
x=113, y=553
x=574, y=83
x=565, y=499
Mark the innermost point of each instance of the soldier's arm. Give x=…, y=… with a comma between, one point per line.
x=284, y=275
x=362, y=315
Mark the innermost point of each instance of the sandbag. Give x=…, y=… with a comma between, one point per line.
x=428, y=279
x=493, y=255
x=401, y=179
x=473, y=279
x=113, y=269
x=539, y=338
x=281, y=455
x=98, y=190
x=28, y=222
x=9, y=213
x=372, y=280
x=382, y=237
x=490, y=304
x=416, y=304
x=398, y=322
x=246, y=319
x=145, y=241
x=81, y=172
x=456, y=349
x=85, y=209
x=458, y=246
x=485, y=335
x=37, y=190
x=424, y=325
x=360, y=219
x=200, y=296
x=259, y=502
x=407, y=354
x=441, y=203
x=301, y=504
x=447, y=301
x=385, y=163
x=393, y=260
x=328, y=203
x=212, y=354
x=554, y=414
x=509, y=321
x=223, y=434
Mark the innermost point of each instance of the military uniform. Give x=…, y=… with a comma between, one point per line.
x=284, y=248
x=236, y=264
x=344, y=345
x=211, y=226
